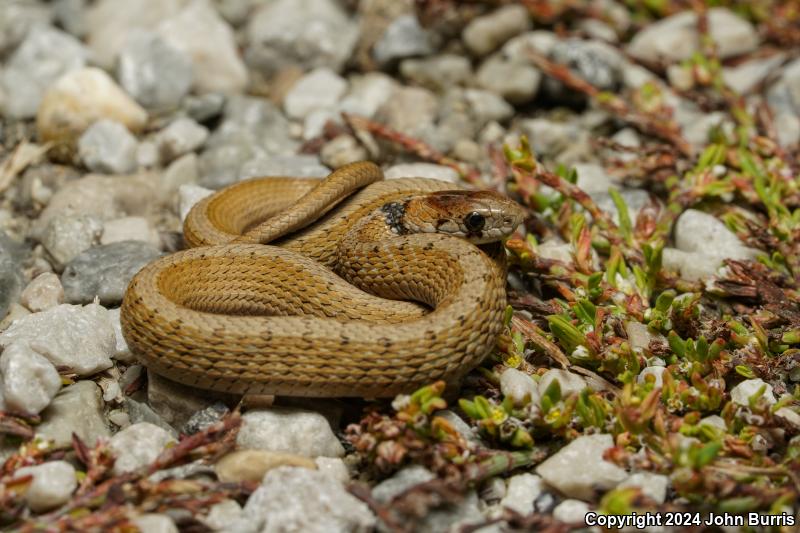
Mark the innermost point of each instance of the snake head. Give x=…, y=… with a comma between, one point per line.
x=478, y=216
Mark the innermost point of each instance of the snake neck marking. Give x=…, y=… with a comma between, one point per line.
x=394, y=213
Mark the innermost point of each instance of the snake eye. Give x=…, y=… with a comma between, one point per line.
x=474, y=221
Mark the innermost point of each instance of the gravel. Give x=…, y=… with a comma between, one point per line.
x=289, y=430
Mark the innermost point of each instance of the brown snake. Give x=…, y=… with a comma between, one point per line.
x=409, y=304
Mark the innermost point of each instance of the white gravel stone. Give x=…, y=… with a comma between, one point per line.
x=29, y=381
x=77, y=409
x=675, y=38
x=334, y=467
x=43, y=292
x=656, y=371
x=404, y=37
x=223, y=515
x=321, y=88
x=154, y=72
x=79, y=337
x=521, y=491
x=45, y=55
x=182, y=136
x=571, y=511
x=519, y=386
x=592, y=178
x=66, y=236
x=311, y=33
x=570, y=383
x=715, y=421
x=515, y=81
x=578, y=469
x=52, y=485
x=487, y=33
x=108, y=147
x=342, y=150
x=289, y=430
x=422, y=170
x=188, y=195
x=81, y=97
x=155, y=523
x=137, y=446
x=654, y=486
x=129, y=229
x=201, y=33
x=742, y=392
x=367, y=94
x=298, y=499
x=640, y=336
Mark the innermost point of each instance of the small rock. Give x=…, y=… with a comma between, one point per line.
x=289, y=430
x=690, y=266
x=105, y=271
x=140, y=412
x=188, y=195
x=223, y=515
x=387, y=490
x=301, y=166
x=521, y=492
x=493, y=490
x=137, y=446
x=742, y=392
x=44, y=56
x=566, y=470
x=77, y=408
x=592, y=178
x=174, y=402
x=309, y=33
x=67, y=236
x=129, y=229
x=422, y=170
x=81, y=338
x=654, y=486
x=409, y=110
x=486, y=33
x=699, y=232
x=204, y=107
x=52, y=485
x=29, y=381
x=147, y=155
x=16, y=20
x=675, y=38
x=182, y=136
x=333, y=467
x=78, y=99
x=403, y=38
x=640, y=336
x=597, y=63
x=655, y=371
x=43, y=292
x=515, y=81
x=570, y=383
x=571, y=511
x=518, y=386
x=714, y=421
x=251, y=465
x=182, y=171
x=462, y=428
x=155, y=523
x=71, y=15
x=108, y=147
x=299, y=499
x=12, y=279
x=121, y=351
x=205, y=418
x=437, y=73
x=788, y=415
x=745, y=77
x=550, y=138
x=199, y=31
x=154, y=72
x=342, y=150
x=635, y=200
x=367, y=94
x=784, y=100
x=321, y=88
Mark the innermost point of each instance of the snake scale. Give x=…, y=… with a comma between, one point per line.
x=365, y=289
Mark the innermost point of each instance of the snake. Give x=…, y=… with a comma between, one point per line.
x=347, y=286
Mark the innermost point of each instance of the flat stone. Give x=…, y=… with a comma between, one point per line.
x=67, y=236
x=487, y=33
x=518, y=386
x=52, y=485
x=571, y=511
x=403, y=38
x=333, y=467
x=108, y=147
x=299, y=499
x=137, y=446
x=77, y=408
x=251, y=465
x=80, y=338
x=567, y=471
x=654, y=486
x=289, y=430
x=105, y=271
x=183, y=135
x=741, y=393
x=130, y=229
x=569, y=383
x=515, y=81
x=154, y=72
x=43, y=292
x=367, y=94
x=321, y=88
x=437, y=73
x=29, y=380
x=521, y=492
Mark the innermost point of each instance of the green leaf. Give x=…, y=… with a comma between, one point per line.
x=625, y=225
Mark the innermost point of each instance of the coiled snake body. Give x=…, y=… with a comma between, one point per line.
x=409, y=304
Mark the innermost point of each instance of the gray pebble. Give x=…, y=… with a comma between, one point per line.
x=12, y=279
x=437, y=73
x=108, y=147
x=403, y=38
x=77, y=408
